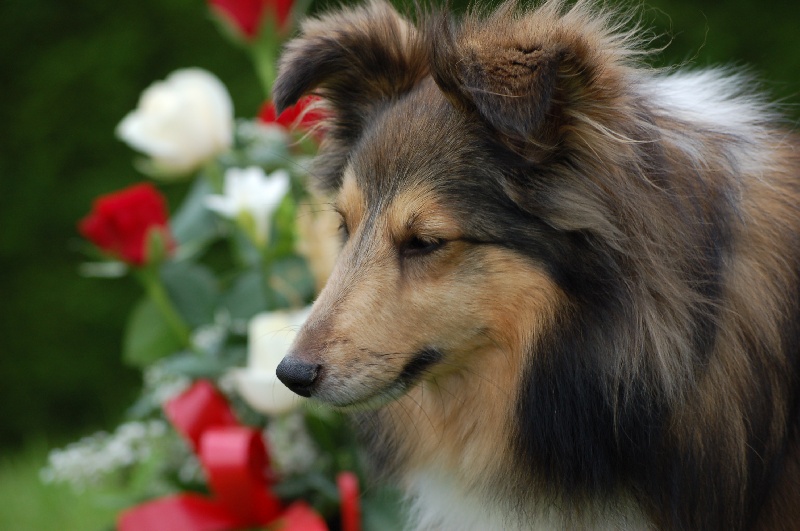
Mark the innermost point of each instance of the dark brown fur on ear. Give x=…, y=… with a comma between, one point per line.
x=354, y=59
x=511, y=85
x=527, y=74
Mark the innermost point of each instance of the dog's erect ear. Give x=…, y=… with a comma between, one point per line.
x=509, y=83
x=354, y=59
x=526, y=74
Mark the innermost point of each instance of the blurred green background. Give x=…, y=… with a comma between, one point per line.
x=72, y=70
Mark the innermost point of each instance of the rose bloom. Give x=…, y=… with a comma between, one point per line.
x=181, y=122
x=250, y=197
x=248, y=15
x=270, y=335
x=301, y=115
x=120, y=222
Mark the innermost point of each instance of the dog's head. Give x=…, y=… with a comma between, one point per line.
x=440, y=152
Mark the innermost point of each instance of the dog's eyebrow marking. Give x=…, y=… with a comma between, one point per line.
x=418, y=224
x=418, y=212
x=350, y=201
x=412, y=221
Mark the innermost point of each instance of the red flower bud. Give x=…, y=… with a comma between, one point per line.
x=347, y=483
x=295, y=116
x=247, y=15
x=120, y=222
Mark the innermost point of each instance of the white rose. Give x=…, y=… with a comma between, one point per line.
x=251, y=197
x=181, y=122
x=270, y=335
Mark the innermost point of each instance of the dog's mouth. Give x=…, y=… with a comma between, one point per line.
x=421, y=363
x=413, y=371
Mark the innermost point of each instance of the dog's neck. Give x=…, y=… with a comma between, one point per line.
x=449, y=443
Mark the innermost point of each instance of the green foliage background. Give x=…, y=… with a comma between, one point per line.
x=73, y=69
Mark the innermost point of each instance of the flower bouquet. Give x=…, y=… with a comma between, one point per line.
x=215, y=441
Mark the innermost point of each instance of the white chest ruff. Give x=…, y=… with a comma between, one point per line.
x=438, y=504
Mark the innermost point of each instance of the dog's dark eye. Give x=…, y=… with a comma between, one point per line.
x=344, y=233
x=419, y=246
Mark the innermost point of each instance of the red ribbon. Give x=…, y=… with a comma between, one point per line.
x=236, y=463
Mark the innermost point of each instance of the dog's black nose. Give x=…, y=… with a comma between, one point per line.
x=297, y=375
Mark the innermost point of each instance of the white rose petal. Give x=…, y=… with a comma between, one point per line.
x=181, y=122
x=251, y=191
x=265, y=393
x=269, y=337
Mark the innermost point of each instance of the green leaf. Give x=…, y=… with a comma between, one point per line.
x=245, y=298
x=293, y=487
x=148, y=337
x=193, y=290
x=264, y=52
x=328, y=430
x=194, y=225
x=315, y=488
x=291, y=282
x=157, y=246
x=244, y=249
x=147, y=479
x=259, y=145
x=144, y=407
x=282, y=239
x=199, y=366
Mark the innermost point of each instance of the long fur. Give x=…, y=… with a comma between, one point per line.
x=601, y=330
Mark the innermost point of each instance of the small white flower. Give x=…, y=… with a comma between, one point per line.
x=162, y=385
x=90, y=460
x=210, y=337
x=269, y=338
x=292, y=450
x=251, y=197
x=181, y=122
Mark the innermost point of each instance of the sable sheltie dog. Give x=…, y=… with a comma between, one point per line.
x=569, y=291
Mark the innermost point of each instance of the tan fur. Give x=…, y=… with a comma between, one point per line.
x=457, y=420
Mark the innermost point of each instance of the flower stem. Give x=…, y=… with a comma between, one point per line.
x=264, y=54
x=215, y=175
x=265, y=274
x=155, y=290
x=265, y=70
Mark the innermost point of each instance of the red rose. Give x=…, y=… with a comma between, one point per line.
x=290, y=116
x=247, y=15
x=120, y=222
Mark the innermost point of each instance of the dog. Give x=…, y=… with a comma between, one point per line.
x=568, y=295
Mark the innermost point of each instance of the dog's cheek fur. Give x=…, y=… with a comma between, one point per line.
x=467, y=438
x=380, y=310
